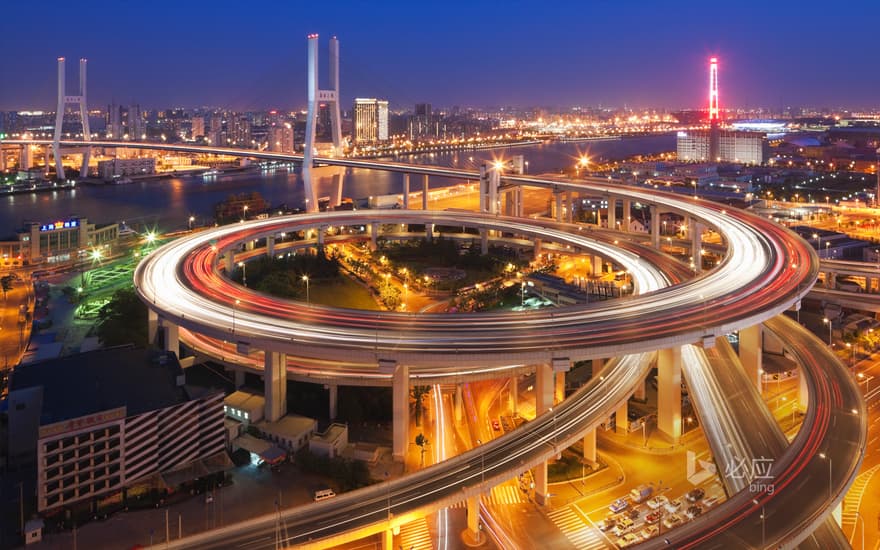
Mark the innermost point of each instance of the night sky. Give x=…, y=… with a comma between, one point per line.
x=252, y=54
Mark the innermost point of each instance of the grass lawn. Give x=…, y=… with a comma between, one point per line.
x=342, y=293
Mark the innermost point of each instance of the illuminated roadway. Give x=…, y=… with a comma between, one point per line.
x=763, y=273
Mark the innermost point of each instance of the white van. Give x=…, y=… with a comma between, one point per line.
x=324, y=494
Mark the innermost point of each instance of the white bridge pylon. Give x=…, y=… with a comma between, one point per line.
x=316, y=97
x=63, y=101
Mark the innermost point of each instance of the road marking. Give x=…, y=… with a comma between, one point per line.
x=853, y=500
x=581, y=535
x=415, y=535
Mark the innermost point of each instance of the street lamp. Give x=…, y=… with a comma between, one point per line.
x=818, y=243
x=191, y=220
x=405, y=294
x=305, y=279
x=244, y=210
x=482, y=464
x=867, y=380
x=827, y=321
x=522, y=294
x=852, y=355
x=763, y=523
x=826, y=457
x=243, y=267
x=235, y=303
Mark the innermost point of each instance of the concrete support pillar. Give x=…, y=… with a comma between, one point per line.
x=374, y=235
x=520, y=205
x=400, y=410
x=655, y=226
x=473, y=519
x=559, y=392
x=612, y=213
x=388, y=539
x=621, y=420
x=429, y=231
x=249, y=245
x=569, y=214
x=558, y=196
x=869, y=285
x=333, y=395
x=484, y=189
x=803, y=395
x=2, y=160
x=494, y=184
x=406, y=191
x=425, y=192
x=832, y=280
x=484, y=241
x=537, y=248
x=275, y=384
x=590, y=445
x=543, y=402
x=597, y=266
x=458, y=405
x=639, y=392
x=626, y=218
x=598, y=364
x=270, y=246
x=514, y=393
x=26, y=157
x=152, y=326
x=750, y=352
x=319, y=237
x=229, y=262
x=238, y=374
x=837, y=514
x=696, y=245
x=171, y=337
x=669, y=392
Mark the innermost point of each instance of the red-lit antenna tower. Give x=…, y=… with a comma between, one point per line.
x=714, y=113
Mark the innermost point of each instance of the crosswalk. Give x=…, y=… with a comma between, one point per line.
x=500, y=494
x=580, y=534
x=415, y=535
x=853, y=499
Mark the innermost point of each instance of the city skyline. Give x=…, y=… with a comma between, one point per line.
x=653, y=57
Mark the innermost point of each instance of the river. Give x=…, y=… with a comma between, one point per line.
x=167, y=204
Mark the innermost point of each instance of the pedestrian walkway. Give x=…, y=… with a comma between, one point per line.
x=499, y=495
x=581, y=535
x=415, y=536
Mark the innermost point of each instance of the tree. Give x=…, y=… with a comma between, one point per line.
x=418, y=394
x=421, y=441
x=123, y=320
x=6, y=284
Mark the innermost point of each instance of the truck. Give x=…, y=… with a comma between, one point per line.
x=641, y=493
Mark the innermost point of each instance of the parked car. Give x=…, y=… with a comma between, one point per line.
x=694, y=511
x=641, y=493
x=496, y=425
x=608, y=523
x=673, y=505
x=627, y=540
x=649, y=532
x=618, y=505
x=671, y=521
x=635, y=512
x=657, y=502
x=711, y=501
x=654, y=516
x=624, y=524
x=695, y=495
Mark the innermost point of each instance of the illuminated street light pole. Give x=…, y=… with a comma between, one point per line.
x=191, y=220
x=244, y=210
x=243, y=267
x=818, y=243
x=827, y=321
x=828, y=458
x=482, y=464
x=305, y=279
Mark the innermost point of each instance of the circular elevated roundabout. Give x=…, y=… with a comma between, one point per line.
x=764, y=272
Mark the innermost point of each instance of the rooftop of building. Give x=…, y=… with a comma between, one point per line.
x=292, y=426
x=244, y=400
x=86, y=383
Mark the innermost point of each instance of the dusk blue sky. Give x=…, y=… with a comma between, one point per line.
x=252, y=54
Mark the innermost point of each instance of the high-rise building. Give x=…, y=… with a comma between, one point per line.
x=733, y=146
x=370, y=120
x=423, y=110
x=216, y=123
x=280, y=138
x=136, y=127
x=238, y=128
x=114, y=122
x=198, y=127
